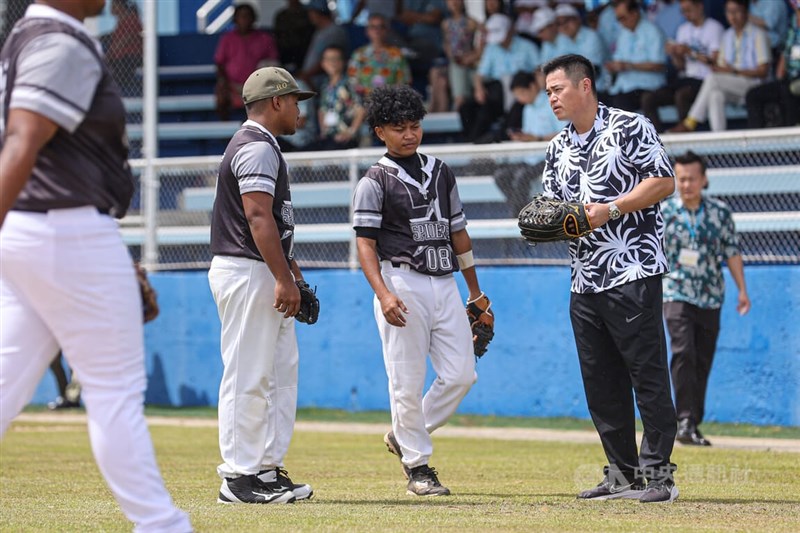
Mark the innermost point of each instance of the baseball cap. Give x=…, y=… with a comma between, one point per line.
x=319, y=5
x=541, y=18
x=566, y=10
x=497, y=28
x=271, y=81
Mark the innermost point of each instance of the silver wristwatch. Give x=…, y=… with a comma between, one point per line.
x=613, y=211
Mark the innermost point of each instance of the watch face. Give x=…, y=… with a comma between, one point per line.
x=613, y=212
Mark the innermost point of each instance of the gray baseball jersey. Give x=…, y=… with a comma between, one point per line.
x=252, y=163
x=410, y=219
x=86, y=162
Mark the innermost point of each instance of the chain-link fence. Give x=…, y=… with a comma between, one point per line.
x=756, y=172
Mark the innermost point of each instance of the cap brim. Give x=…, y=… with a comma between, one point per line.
x=305, y=95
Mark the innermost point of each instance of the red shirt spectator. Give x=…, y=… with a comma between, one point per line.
x=239, y=53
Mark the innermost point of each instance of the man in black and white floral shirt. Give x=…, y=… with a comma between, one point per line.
x=613, y=162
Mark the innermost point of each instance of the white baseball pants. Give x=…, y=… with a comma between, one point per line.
x=66, y=280
x=258, y=392
x=436, y=324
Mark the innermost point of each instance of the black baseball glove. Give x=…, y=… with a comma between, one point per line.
x=309, y=304
x=545, y=220
x=481, y=320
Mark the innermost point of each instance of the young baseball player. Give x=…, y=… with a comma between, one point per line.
x=411, y=237
x=253, y=280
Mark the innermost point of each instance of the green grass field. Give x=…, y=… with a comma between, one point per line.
x=50, y=483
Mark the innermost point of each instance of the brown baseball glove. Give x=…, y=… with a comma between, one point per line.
x=149, y=297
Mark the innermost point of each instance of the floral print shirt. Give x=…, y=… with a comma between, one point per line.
x=370, y=68
x=620, y=151
x=337, y=105
x=709, y=231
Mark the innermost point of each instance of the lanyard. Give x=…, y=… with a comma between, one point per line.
x=693, y=221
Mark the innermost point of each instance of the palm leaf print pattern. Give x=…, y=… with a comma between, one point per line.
x=621, y=150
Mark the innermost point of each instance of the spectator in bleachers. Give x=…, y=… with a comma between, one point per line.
x=523, y=16
x=667, y=16
x=742, y=63
x=692, y=53
x=504, y=55
x=545, y=29
x=785, y=90
x=577, y=4
x=772, y=17
x=538, y=123
x=386, y=8
x=377, y=63
x=460, y=32
x=239, y=53
x=603, y=20
x=490, y=7
x=293, y=31
x=326, y=33
x=639, y=60
x=125, y=47
x=340, y=112
x=423, y=22
x=582, y=40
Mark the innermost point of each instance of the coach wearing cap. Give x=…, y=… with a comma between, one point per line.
x=252, y=279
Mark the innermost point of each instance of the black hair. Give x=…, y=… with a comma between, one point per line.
x=245, y=7
x=690, y=158
x=501, y=10
x=337, y=48
x=630, y=5
x=744, y=3
x=522, y=80
x=394, y=104
x=576, y=67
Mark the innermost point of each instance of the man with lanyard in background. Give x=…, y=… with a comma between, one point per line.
x=699, y=235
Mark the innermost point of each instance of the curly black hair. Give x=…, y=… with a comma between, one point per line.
x=394, y=104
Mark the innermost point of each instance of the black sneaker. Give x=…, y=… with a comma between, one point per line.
x=422, y=481
x=62, y=403
x=689, y=433
x=612, y=490
x=660, y=491
x=394, y=448
x=250, y=489
x=280, y=476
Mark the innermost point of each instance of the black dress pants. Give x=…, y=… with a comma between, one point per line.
x=772, y=92
x=693, y=336
x=477, y=118
x=622, y=349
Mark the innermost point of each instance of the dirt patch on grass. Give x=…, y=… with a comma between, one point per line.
x=547, y=435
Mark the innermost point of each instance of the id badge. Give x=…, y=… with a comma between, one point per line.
x=794, y=53
x=331, y=119
x=689, y=257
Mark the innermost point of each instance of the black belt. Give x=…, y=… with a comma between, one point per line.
x=45, y=211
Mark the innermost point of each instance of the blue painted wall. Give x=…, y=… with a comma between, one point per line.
x=530, y=370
